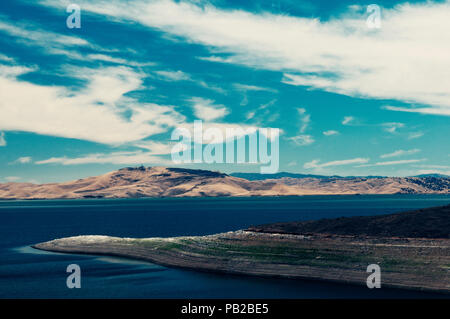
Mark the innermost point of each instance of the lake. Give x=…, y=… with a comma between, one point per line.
x=29, y=273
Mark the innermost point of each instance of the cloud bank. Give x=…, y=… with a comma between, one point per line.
x=406, y=60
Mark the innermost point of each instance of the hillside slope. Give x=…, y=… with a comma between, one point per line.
x=146, y=182
x=423, y=223
x=178, y=182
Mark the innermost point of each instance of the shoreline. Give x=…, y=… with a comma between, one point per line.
x=282, y=256
x=223, y=197
x=158, y=182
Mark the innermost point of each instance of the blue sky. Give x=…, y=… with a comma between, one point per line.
x=349, y=100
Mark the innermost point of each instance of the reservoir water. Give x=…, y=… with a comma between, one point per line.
x=29, y=273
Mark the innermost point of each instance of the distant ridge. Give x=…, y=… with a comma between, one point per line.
x=436, y=175
x=136, y=182
x=259, y=176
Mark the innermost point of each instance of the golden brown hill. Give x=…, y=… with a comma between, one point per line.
x=178, y=182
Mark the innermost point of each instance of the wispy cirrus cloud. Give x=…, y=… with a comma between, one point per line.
x=31, y=34
x=122, y=158
x=151, y=152
x=23, y=160
x=304, y=121
x=173, y=76
x=155, y=148
x=5, y=58
x=362, y=62
x=302, y=139
x=399, y=162
x=12, y=178
x=414, y=135
x=400, y=153
x=422, y=110
x=330, y=133
x=317, y=164
x=392, y=127
x=265, y=111
x=115, y=60
x=247, y=87
x=348, y=120
x=176, y=76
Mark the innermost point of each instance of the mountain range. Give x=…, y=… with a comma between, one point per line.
x=135, y=182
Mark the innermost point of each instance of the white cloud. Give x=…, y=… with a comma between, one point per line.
x=302, y=140
x=122, y=158
x=94, y=113
x=155, y=148
x=6, y=58
x=12, y=178
x=246, y=87
x=348, y=120
x=305, y=119
x=32, y=35
x=107, y=58
x=392, y=127
x=58, y=44
x=250, y=115
x=400, y=153
x=330, y=133
x=362, y=62
x=210, y=86
x=2, y=139
x=218, y=59
x=415, y=135
x=317, y=164
x=206, y=110
x=23, y=160
x=264, y=112
x=400, y=162
x=176, y=76
x=423, y=110
x=173, y=75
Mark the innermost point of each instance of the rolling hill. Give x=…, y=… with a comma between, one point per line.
x=135, y=182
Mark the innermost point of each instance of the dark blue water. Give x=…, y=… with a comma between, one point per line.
x=28, y=273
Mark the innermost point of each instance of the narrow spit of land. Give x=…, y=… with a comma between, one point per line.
x=412, y=249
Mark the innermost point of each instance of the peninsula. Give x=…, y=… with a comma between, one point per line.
x=411, y=248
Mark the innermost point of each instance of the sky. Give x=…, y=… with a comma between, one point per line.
x=348, y=99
